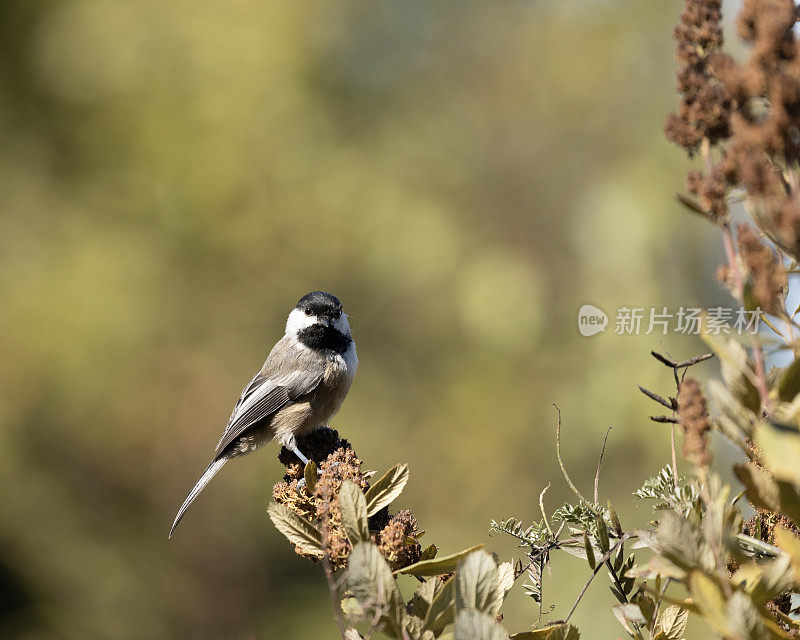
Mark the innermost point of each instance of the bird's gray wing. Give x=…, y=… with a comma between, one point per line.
x=263, y=397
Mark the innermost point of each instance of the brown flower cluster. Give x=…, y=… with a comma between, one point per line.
x=766, y=274
x=693, y=419
x=704, y=109
x=397, y=541
x=753, y=107
x=336, y=462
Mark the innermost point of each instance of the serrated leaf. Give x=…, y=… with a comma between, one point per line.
x=300, y=532
x=474, y=625
x=780, y=446
x=353, y=507
x=370, y=581
x=442, y=608
x=423, y=596
x=553, y=632
x=477, y=584
x=387, y=488
x=671, y=622
x=310, y=476
x=444, y=564
x=505, y=577
x=629, y=616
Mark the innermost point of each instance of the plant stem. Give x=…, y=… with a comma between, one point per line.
x=599, y=566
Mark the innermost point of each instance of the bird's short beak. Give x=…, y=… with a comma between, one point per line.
x=325, y=321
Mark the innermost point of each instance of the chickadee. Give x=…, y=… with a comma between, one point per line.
x=301, y=385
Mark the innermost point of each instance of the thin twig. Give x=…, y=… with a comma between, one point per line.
x=693, y=361
x=761, y=378
x=541, y=508
x=654, y=396
x=599, y=566
x=600, y=464
x=663, y=359
x=332, y=587
x=674, y=455
x=561, y=463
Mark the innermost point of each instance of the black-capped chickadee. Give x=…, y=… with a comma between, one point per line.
x=301, y=385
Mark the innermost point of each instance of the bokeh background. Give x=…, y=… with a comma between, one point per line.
x=463, y=175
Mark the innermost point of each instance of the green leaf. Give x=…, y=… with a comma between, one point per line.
x=478, y=585
x=553, y=632
x=761, y=490
x=709, y=598
x=767, y=579
x=387, y=488
x=429, y=552
x=602, y=535
x=310, y=475
x=734, y=366
x=589, y=551
x=353, y=506
x=789, y=543
x=370, y=581
x=445, y=564
x=299, y=531
x=672, y=622
x=442, y=608
x=505, y=577
x=423, y=597
x=789, y=385
x=743, y=620
x=647, y=606
x=780, y=445
x=629, y=616
x=615, y=523
x=474, y=625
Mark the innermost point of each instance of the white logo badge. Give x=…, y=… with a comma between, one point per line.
x=591, y=320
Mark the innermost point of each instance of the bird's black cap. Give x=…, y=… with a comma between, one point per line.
x=320, y=303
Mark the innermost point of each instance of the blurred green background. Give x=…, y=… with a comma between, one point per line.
x=463, y=175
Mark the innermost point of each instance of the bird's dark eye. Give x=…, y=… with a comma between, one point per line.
x=337, y=314
x=308, y=311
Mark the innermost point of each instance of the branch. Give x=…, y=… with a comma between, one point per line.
x=561, y=462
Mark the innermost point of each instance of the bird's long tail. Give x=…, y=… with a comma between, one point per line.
x=209, y=473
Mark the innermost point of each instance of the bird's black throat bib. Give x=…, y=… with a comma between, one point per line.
x=320, y=337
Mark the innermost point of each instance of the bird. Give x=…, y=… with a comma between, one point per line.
x=303, y=382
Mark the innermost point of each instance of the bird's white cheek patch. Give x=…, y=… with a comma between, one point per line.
x=298, y=321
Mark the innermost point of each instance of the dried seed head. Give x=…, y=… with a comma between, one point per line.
x=395, y=540
x=766, y=274
x=693, y=419
x=705, y=105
